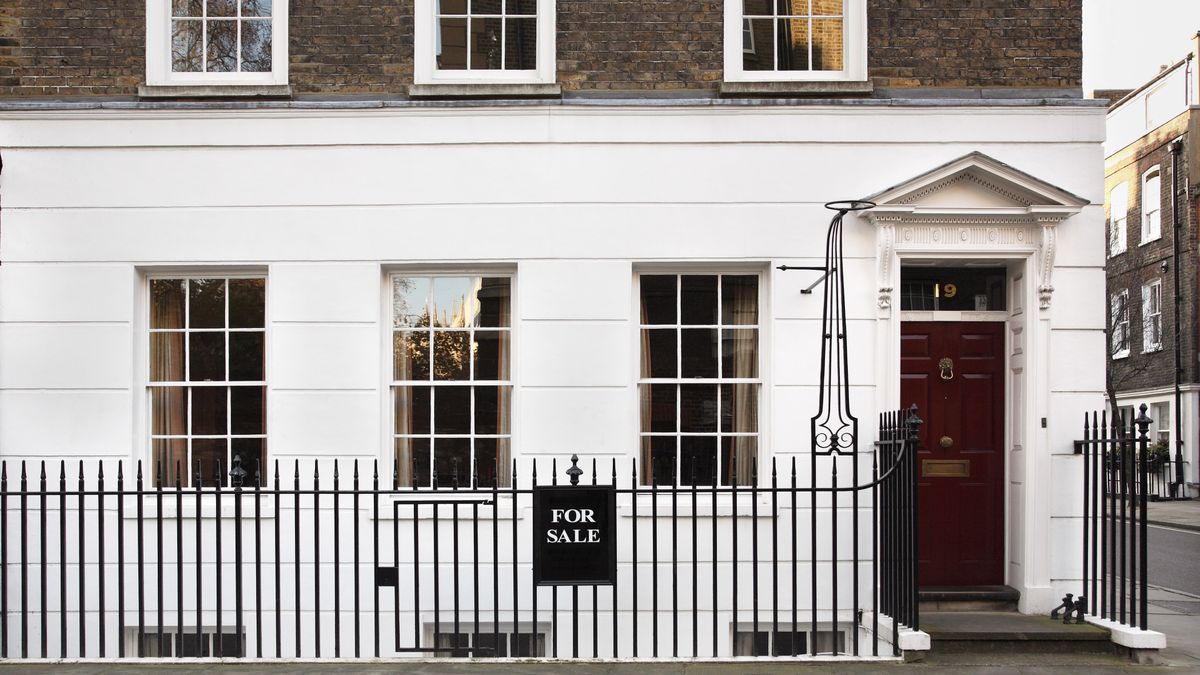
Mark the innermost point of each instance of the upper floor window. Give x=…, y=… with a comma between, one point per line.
x=216, y=42
x=207, y=384
x=699, y=384
x=484, y=41
x=1118, y=209
x=451, y=379
x=1152, y=316
x=774, y=40
x=1151, y=205
x=1119, y=324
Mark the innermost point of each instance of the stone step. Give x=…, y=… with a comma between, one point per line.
x=968, y=599
x=996, y=632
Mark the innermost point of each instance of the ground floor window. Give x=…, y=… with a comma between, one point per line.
x=188, y=642
x=485, y=645
x=787, y=642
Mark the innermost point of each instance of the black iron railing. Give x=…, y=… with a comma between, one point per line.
x=1117, y=469
x=103, y=564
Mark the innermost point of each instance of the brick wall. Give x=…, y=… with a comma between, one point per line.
x=1142, y=263
x=343, y=47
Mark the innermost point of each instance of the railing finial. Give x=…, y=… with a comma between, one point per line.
x=574, y=472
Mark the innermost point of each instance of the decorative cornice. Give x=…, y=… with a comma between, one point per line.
x=966, y=176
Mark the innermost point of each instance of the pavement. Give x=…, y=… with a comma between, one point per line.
x=1183, y=514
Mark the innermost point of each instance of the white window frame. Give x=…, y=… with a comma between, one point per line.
x=1151, y=208
x=1162, y=421
x=425, y=70
x=1120, y=324
x=760, y=435
x=1118, y=209
x=1152, y=319
x=146, y=354
x=854, y=59
x=158, y=52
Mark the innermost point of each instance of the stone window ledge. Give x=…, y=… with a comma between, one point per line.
x=796, y=88
x=215, y=91
x=491, y=90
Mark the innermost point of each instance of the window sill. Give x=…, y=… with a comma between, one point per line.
x=1149, y=241
x=1152, y=350
x=215, y=91
x=802, y=88
x=1120, y=355
x=496, y=90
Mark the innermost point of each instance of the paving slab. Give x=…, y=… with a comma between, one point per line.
x=1184, y=514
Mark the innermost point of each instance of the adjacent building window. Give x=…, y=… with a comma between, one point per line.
x=1151, y=206
x=216, y=42
x=1152, y=316
x=1119, y=322
x=1162, y=422
x=1118, y=209
x=767, y=40
x=451, y=379
x=484, y=41
x=207, y=384
x=699, y=384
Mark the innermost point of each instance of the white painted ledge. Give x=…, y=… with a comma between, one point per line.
x=1127, y=636
x=909, y=640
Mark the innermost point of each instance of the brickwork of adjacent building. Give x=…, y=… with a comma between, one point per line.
x=57, y=48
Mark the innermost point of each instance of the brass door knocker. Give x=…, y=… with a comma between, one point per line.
x=947, y=368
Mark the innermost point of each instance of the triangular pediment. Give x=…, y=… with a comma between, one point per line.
x=976, y=184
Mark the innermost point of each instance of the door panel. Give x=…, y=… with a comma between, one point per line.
x=960, y=462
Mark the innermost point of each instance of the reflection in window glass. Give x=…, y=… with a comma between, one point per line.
x=486, y=35
x=699, y=384
x=221, y=36
x=793, y=35
x=207, y=388
x=452, y=387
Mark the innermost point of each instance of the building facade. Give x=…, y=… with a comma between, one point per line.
x=455, y=238
x=1152, y=265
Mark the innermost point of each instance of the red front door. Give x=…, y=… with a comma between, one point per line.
x=954, y=372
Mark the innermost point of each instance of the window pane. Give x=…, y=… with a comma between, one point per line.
x=485, y=6
x=171, y=455
x=739, y=300
x=246, y=356
x=698, y=407
x=193, y=645
x=739, y=408
x=452, y=410
x=788, y=643
x=251, y=450
x=410, y=352
x=792, y=36
x=247, y=299
x=412, y=462
x=528, y=7
x=761, y=54
x=222, y=7
x=408, y=302
x=206, y=303
x=412, y=410
x=699, y=352
x=739, y=353
x=756, y=7
x=209, y=411
x=187, y=46
x=256, y=46
x=491, y=460
x=827, y=7
x=658, y=460
x=658, y=299
x=698, y=456
x=452, y=461
x=520, y=44
x=453, y=302
x=206, y=357
x=485, y=44
x=737, y=459
x=486, y=645
x=231, y=645
x=166, y=357
x=168, y=411
x=210, y=461
x=491, y=355
x=256, y=7
x=166, y=303
x=658, y=353
x=155, y=645
x=248, y=410
x=451, y=349
x=494, y=302
x=222, y=46
x=698, y=300
x=658, y=407
x=452, y=6
x=827, y=44
x=187, y=7
x=492, y=409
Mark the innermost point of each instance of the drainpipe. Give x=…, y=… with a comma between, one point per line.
x=1177, y=232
